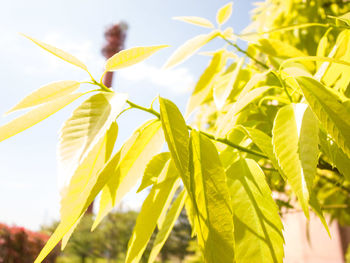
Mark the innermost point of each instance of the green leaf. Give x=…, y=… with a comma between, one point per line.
x=224, y=85
x=134, y=155
x=36, y=115
x=336, y=156
x=168, y=224
x=211, y=201
x=330, y=109
x=204, y=85
x=176, y=136
x=47, y=93
x=314, y=204
x=59, y=53
x=264, y=142
x=156, y=202
x=277, y=48
x=285, y=141
x=88, y=123
x=224, y=13
x=189, y=48
x=195, y=20
x=308, y=145
x=153, y=169
x=86, y=183
x=129, y=57
x=228, y=122
x=258, y=227
x=86, y=172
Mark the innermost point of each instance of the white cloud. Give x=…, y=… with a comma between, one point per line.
x=178, y=80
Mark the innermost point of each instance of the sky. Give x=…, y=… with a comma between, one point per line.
x=29, y=194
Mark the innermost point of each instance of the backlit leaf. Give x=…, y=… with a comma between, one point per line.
x=129, y=57
x=153, y=169
x=224, y=13
x=47, y=93
x=83, y=175
x=189, y=48
x=195, y=20
x=204, y=85
x=86, y=183
x=258, y=227
x=156, y=202
x=176, y=136
x=211, y=201
x=88, y=123
x=59, y=53
x=134, y=155
x=285, y=141
x=330, y=109
x=35, y=116
x=167, y=226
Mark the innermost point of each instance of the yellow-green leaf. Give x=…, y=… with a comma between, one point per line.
x=167, y=226
x=82, y=190
x=59, y=53
x=134, y=155
x=153, y=169
x=285, y=139
x=88, y=123
x=195, y=20
x=176, y=136
x=83, y=175
x=189, y=48
x=156, y=202
x=224, y=85
x=204, y=85
x=224, y=13
x=211, y=201
x=47, y=93
x=330, y=109
x=35, y=116
x=258, y=227
x=129, y=57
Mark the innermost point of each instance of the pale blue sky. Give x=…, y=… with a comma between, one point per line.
x=28, y=181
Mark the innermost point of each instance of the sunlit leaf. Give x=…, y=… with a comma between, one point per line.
x=59, y=53
x=134, y=155
x=47, y=93
x=35, y=116
x=157, y=201
x=189, y=48
x=167, y=226
x=286, y=146
x=85, y=173
x=224, y=85
x=153, y=169
x=176, y=136
x=86, y=183
x=129, y=57
x=210, y=196
x=195, y=20
x=330, y=109
x=224, y=13
x=258, y=227
x=85, y=127
x=204, y=85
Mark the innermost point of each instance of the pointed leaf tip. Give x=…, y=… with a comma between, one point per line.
x=131, y=56
x=58, y=53
x=224, y=13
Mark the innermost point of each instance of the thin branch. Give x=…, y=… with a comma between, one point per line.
x=210, y=136
x=246, y=53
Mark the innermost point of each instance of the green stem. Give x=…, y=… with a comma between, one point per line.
x=246, y=53
x=335, y=183
x=210, y=136
x=278, y=76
